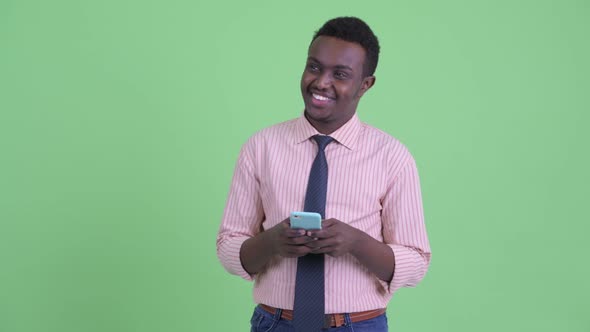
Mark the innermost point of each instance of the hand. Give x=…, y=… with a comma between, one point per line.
x=288, y=242
x=335, y=238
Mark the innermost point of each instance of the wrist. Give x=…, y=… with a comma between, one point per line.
x=358, y=242
x=268, y=238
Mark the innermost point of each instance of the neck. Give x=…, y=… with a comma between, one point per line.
x=326, y=127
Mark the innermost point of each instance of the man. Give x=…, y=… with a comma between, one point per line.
x=373, y=239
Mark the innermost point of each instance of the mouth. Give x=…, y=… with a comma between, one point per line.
x=320, y=100
x=320, y=97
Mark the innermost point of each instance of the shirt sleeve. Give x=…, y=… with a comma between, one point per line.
x=404, y=229
x=243, y=213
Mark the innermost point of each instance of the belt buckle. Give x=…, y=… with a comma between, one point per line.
x=327, y=321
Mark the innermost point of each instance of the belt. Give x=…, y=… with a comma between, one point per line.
x=332, y=320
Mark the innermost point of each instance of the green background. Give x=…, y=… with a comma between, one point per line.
x=121, y=121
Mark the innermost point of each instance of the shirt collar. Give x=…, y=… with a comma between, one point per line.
x=346, y=135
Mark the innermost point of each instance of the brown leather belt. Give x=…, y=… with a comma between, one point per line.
x=332, y=320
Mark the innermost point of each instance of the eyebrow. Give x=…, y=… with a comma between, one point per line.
x=336, y=66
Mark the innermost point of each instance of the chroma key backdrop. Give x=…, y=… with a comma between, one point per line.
x=121, y=122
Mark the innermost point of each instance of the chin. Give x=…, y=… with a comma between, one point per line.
x=315, y=112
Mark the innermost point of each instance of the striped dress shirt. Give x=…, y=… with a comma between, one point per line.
x=373, y=185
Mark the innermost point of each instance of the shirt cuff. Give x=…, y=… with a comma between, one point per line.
x=229, y=255
x=410, y=268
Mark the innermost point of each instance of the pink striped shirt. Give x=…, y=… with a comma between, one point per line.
x=373, y=185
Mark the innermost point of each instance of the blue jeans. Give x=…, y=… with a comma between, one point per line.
x=263, y=321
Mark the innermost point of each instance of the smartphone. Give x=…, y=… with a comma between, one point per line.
x=306, y=220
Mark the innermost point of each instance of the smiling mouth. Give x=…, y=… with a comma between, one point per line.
x=320, y=97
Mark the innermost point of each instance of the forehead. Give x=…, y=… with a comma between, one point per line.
x=331, y=51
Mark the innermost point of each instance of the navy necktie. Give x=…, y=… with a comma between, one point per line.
x=308, y=315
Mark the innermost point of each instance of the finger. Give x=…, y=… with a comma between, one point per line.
x=320, y=234
x=313, y=234
x=330, y=251
x=329, y=222
x=313, y=244
x=294, y=232
x=330, y=242
x=297, y=251
x=323, y=250
x=302, y=240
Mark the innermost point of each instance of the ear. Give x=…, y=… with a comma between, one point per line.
x=367, y=83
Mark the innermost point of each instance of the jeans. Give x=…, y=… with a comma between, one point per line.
x=263, y=321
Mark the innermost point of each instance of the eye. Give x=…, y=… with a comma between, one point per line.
x=340, y=75
x=312, y=67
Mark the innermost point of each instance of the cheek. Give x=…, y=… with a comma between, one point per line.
x=345, y=91
x=306, y=79
x=354, y=91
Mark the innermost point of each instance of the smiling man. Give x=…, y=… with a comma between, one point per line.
x=363, y=183
x=333, y=82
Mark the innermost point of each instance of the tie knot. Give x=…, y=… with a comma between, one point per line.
x=322, y=141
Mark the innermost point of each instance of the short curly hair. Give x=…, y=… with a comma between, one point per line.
x=355, y=30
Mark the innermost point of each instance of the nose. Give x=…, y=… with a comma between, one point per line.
x=324, y=81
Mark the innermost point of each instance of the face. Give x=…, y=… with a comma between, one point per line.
x=333, y=83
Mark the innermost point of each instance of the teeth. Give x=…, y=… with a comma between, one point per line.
x=320, y=97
